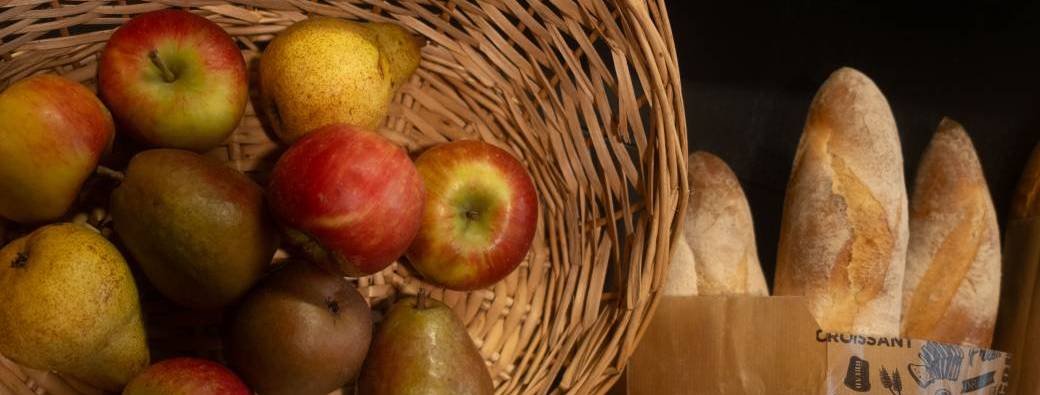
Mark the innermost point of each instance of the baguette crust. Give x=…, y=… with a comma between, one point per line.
x=720, y=232
x=952, y=285
x=844, y=230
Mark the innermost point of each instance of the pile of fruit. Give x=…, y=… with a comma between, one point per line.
x=343, y=200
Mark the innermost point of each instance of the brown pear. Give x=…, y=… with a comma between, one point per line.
x=197, y=228
x=422, y=348
x=301, y=331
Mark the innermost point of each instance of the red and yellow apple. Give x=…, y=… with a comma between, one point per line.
x=349, y=199
x=53, y=131
x=173, y=79
x=186, y=376
x=480, y=216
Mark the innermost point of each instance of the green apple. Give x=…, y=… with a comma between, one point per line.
x=53, y=131
x=174, y=79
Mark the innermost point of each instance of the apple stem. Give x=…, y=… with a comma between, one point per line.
x=473, y=215
x=113, y=174
x=20, y=260
x=167, y=75
x=420, y=299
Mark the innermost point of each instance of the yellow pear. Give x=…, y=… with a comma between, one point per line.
x=68, y=303
x=321, y=71
x=401, y=48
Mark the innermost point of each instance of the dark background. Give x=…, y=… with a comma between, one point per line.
x=750, y=70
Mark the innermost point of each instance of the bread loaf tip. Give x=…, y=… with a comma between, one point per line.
x=720, y=232
x=1024, y=204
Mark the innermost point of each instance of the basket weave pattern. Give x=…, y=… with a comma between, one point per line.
x=585, y=92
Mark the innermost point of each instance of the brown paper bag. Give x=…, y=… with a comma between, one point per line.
x=744, y=348
x=772, y=345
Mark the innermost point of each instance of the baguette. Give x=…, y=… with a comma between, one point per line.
x=681, y=278
x=952, y=284
x=844, y=229
x=1019, y=312
x=720, y=232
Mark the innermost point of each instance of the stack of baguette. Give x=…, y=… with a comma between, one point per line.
x=868, y=260
x=848, y=241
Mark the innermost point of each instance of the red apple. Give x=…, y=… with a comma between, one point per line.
x=186, y=376
x=480, y=216
x=53, y=131
x=349, y=199
x=173, y=79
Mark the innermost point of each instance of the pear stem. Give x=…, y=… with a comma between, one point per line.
x=167, y=75
x=20, y=260
x=332, y=305
x=420, y=299
x=113, y=174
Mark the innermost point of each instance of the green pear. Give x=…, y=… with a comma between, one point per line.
x=401, y=48
x=422, y=348
x=70, y=305
x=197, y=228
x=321, y=71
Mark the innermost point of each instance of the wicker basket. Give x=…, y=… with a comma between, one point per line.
x=585, y=92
